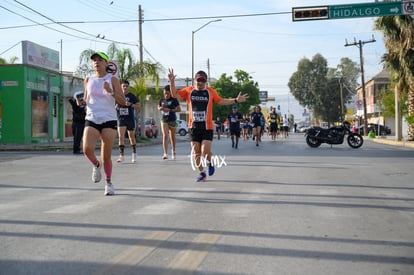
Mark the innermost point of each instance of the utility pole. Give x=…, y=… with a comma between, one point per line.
x=140, y=21
x=208, y=71
x=60, y=102
x=398, y=121
x=359, y=44
x=342, y=100
x=141, y=60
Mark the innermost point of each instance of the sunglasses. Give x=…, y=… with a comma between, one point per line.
x=202, y=80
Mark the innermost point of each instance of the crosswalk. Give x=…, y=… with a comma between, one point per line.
x=159, y=249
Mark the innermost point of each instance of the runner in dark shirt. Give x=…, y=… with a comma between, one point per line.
x=126, y=122
x=234, y=118
x=273, y=120
x=257, y=118
x=219, y=127
x=168, y=106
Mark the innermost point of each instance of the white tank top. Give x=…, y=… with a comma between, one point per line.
x=100, y=106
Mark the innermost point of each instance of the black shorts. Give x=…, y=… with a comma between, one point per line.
x=129, y=123
x=108, y=124
x=235, y=131
x=198, y=135
x=273, y=127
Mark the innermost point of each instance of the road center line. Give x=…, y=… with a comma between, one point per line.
x=134, y=255
x=189, y=259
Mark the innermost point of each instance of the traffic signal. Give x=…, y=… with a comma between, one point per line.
x=310, y=13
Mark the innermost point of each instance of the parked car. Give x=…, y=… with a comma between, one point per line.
x=383, y=130
x=182, y=128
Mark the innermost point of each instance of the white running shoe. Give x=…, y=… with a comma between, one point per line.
x=96, y=173
x=164, y=157
x=134, y=158
x=121, y=159
x=109, y=189
x=173, y=156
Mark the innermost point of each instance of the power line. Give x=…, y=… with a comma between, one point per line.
x=111, y=9
x=10, y=48
x=50, y=19
x=40, y=24
x=219, y=16
x=161, y=19
x=59, y=31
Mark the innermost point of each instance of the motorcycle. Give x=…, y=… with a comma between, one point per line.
x=315, y=136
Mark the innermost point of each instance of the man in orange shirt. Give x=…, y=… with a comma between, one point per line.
x=200, y=99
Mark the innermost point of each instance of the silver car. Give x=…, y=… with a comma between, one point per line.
x=182, y=128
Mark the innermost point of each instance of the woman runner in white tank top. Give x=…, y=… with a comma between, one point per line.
x=101, y=92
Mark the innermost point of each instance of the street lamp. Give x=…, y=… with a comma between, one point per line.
x=192, y=47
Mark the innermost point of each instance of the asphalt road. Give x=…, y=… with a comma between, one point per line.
x=280, y=208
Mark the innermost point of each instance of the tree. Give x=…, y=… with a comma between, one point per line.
x=12, y=60
x=309, y=86
x=344, y=77
x=398, y=34
x=300, y=83
x=386, y=102
x=226, y=87
x=318, y=87
x=348, y=72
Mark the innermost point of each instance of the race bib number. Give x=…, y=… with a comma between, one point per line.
x=123, y=111
x=233, y=119
x=163, y=113
x=273, y=120
x=199, y=116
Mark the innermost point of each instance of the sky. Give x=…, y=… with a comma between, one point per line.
x=258, y=37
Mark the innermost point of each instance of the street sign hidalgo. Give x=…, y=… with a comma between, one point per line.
x=353, y=10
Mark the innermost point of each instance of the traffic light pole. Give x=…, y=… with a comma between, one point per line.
x=359, y=44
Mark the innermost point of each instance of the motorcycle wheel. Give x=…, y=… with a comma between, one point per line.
x=355, y=140
x=312, y=142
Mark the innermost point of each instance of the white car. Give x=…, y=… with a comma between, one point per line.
x=182, y=128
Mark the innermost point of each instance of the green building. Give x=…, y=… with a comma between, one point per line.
x=32, y=98
x=30, y=105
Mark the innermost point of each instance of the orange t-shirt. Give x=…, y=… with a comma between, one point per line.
x=200, y=106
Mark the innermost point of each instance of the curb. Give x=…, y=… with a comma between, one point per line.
x=62, y=146
x=408, y=144
x=67, y=146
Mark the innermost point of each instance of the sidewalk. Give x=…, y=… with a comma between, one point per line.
x=67, y=145
x=390, y=140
